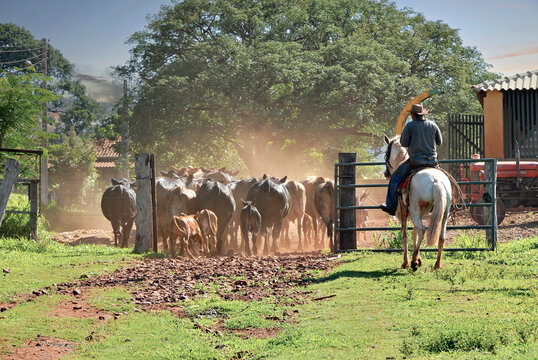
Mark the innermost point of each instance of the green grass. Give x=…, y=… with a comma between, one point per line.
x=35, y=265
x=478, y=306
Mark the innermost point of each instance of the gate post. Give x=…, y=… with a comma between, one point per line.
x=346, y=176
x=144, y=226
x=32, y=194
x=490, y=213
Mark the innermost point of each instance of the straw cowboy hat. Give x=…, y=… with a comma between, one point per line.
x=418, y=109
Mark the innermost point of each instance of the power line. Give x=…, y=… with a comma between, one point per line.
x=15, y=46
x=21, y=60
x=20, y=50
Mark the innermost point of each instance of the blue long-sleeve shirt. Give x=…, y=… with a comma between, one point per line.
x=421, y=137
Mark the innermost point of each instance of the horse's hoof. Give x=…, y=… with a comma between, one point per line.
x=414, y=266
x=437, y=267
x=419, y=262
x=405, y=265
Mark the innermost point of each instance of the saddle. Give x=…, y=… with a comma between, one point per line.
x=403, y=187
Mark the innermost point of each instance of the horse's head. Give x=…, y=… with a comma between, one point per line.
x=395, y=155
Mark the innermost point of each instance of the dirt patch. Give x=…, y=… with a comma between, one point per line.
x=90, y=236
x=6, y=306
x=43, y=348
x=161, y=281
x=518, y=223
x=257, y=333
x=79, y=309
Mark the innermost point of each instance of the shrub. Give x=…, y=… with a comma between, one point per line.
x=16, y=224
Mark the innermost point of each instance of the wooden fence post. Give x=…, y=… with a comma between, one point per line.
x=348, y=239
x=153, y=203
x=11, y=172
x=144, y=228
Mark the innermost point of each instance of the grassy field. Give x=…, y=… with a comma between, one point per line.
x=478, y=306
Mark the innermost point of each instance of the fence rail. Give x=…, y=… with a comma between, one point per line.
x=342, y=226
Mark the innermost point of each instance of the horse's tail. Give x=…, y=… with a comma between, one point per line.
x=439, y=206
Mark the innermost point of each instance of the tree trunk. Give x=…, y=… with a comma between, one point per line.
x=144, y=226
x=11, y=172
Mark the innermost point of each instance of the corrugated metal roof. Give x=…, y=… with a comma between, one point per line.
x=524, y=81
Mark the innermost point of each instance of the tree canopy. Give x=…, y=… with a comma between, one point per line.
x=77, y=110
x=284, y=85
x=21, y=105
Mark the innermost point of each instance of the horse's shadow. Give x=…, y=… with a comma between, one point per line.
x=374, y=274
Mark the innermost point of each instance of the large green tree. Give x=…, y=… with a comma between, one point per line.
x=77, y=110
x=21, y=106
x=285, y=85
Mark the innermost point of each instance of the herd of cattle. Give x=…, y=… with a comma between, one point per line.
x=204, y=208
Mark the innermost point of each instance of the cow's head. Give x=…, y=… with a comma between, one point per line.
x=275, y=179
x=123, y=181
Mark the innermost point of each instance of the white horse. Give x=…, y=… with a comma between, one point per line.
x=430, y=190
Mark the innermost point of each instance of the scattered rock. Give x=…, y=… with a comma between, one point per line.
x=6, y=271
x=77, y=292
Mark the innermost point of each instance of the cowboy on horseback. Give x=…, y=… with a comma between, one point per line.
x=421, y=137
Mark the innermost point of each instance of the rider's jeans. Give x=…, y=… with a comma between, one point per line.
x=398, y=176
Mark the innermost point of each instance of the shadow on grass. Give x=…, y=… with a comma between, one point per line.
x=514, y=292
x=375, y=274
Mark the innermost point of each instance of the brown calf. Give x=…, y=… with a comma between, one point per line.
x=208, y=222
x=187, y=229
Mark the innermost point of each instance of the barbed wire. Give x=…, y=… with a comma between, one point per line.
x=21, y=60
x=15, y=46
x=18, y=50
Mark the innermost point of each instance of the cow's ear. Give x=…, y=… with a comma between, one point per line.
x=197, y=213
x=387, y=140
x=114, y=181
x=243, y=202
x=283, y=180
x=264, y=176
x=189, y=180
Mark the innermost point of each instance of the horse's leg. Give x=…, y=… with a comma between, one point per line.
x=403, y=222
x=416, y=216
x=442, y=239
x=439, y=252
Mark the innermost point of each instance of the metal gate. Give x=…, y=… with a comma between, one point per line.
x=344, y=226
x=465, y=138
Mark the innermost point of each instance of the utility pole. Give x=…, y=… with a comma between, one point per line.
x=125, y=134
x=44, y=183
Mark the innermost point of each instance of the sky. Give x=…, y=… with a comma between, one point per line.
x=92, y=33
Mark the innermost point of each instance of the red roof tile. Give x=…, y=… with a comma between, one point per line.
x=104, y=164
x=103, y=148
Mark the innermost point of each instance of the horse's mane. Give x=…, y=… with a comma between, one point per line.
x=389, y=148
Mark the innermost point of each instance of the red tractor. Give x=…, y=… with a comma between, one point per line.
x=517, y=185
